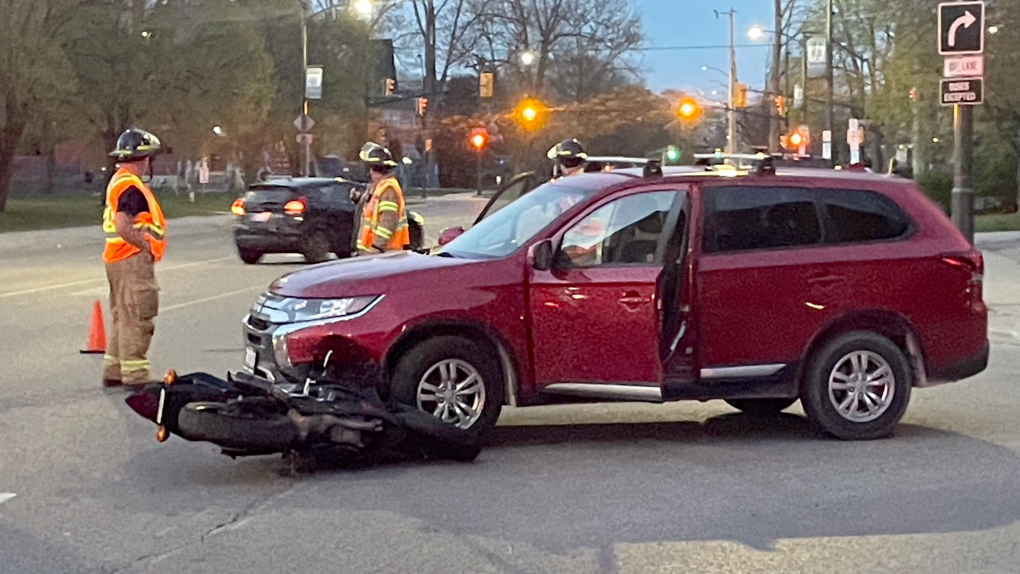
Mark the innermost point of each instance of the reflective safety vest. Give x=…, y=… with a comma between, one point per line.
x=386, y=198
x=153, y=222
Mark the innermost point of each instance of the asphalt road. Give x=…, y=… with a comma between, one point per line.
x=621, y=488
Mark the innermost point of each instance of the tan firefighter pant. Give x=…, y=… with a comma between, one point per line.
x=134, y=303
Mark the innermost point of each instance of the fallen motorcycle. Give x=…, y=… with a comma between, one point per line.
x=246, y=415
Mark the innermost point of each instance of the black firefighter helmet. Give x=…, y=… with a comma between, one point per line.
x=569, y=153
x=135, y=145
x=376, y=156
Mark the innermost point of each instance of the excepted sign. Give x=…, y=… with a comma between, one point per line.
x=961, y=28
x=486, y=84
x=964, y=67
x=826, y=144
x=313, y=83
x=816, y=59
x=798, y=97
x=962, y=92
x=305, y=139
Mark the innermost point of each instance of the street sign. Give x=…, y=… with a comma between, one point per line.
x=313, y=83
x=305, y=138
x=962, y=92
x=961, y=28
x=964, y=67
x=816, y=55
x=304, y=123
x=798, y=97
x=203, y=171
x=826, y=144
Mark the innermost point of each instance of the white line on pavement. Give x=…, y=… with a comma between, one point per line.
x=207, y=299
x=5, y=496
x=86, y=281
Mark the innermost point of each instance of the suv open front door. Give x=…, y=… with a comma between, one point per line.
x=596, y=312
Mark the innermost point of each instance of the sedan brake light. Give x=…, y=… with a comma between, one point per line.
x=237, y=208
x=973, y=264
x=295, y=206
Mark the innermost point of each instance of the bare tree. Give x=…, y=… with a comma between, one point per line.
x=599, y=35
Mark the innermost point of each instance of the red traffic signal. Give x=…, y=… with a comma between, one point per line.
x=391, y=85
x=479, y=137
x=796, y=139
x=688, y=109
x=423, y=104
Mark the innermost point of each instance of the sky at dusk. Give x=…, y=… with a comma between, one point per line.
x=670, y=23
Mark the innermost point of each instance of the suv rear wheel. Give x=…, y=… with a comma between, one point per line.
x=249, y=256
x=316, y=248
x=857, y=386
x=453, y=379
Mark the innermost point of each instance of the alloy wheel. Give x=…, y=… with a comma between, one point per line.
x=861, y=386
x=453, y=391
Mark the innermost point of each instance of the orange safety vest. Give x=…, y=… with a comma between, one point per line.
x=398, y=238
x=153, y=222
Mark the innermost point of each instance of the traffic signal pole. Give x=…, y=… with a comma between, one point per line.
x=962, y=201
x=306, y=146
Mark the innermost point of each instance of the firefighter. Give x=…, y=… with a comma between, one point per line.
x=383, y=219
x=570, y=155
x=135, y=232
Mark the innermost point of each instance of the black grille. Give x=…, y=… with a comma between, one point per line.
x=258, y=324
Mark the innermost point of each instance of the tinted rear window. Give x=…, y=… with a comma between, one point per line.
x=861, y=216
x=749, y=218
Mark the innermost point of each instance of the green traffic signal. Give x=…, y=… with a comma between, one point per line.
x=672, y=154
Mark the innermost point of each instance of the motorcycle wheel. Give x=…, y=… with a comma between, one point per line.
x=227, y=426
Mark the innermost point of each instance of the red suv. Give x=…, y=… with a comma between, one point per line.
x=844, y=290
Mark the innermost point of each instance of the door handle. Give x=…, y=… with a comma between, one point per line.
x=633, y=298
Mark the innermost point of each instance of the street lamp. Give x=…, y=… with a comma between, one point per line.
x=528, y=58
x=756, y=33
x=363, y=7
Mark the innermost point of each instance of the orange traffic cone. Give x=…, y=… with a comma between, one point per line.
x=97, y=333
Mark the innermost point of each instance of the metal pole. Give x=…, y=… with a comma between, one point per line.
x=731, y=144
x=962, y=203
x=804, y=78
x=829, y=122
x=777, y=53
x=306, y=147
x=478, y=170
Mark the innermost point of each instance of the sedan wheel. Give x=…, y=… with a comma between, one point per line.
x=452, y=391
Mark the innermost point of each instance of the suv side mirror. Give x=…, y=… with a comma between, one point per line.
x=542, y=255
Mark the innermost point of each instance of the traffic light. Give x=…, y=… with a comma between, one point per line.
x=671, y=155
x=688, y=109
x=780, y=103
x=423, y=104
x=530, y=113
x=796, y=139
x=479, y=138
x=740, y=96
x=391, y=85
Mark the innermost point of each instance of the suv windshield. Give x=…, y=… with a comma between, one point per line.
x=501, y=233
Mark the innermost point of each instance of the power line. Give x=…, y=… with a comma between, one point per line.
x=719, y=47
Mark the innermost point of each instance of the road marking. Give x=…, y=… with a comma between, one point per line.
x=5, y=496
x=87, y=281
x=208, y=299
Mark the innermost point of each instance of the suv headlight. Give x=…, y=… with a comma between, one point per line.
x=301, y=310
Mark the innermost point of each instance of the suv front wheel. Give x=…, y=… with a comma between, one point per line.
x=857, y=386
x=452, y=379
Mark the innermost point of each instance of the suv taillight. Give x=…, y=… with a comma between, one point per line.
x=973, y=264
x=237, y=208
x=295, y=206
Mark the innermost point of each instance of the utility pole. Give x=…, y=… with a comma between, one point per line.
x=306, y=147
x=777, y=53
x=731, y=117
x=829, y=121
